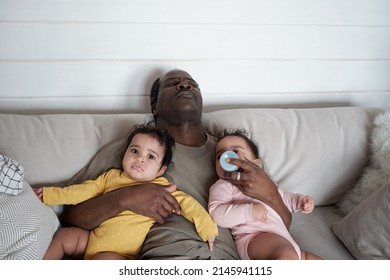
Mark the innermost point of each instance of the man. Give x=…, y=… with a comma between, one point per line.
x=176, y=104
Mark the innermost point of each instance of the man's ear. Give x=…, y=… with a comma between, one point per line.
x=153, y=109
x=162, y=170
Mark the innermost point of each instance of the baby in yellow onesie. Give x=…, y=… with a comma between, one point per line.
x=148, y=154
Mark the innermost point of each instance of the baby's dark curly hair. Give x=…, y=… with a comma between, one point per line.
x=240, y=133
x=161, y=135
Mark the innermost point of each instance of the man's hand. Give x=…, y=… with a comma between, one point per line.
x=150, y=200
x=254, y=182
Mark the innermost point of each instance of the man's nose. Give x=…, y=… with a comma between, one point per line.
x=184, y=85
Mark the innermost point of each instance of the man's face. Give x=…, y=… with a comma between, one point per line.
x=179, y=98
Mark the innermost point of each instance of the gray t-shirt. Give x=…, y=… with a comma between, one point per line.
x=193, y=171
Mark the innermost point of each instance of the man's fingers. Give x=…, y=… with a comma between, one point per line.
x=166, y=207
x=243, y=164
x=157, y=217
x=236, y=176
x=172, y=200
x=172, y=204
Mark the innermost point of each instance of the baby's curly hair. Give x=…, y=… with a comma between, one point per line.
x=240, y=133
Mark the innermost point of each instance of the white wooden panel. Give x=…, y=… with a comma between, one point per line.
x=78, y=41
x=98, y=104
x=77, y=78
x=140, y=104
x=58, y=79
x=102, y=55
x=316, y=12
x=298, y=100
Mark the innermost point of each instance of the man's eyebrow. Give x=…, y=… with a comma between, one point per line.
x=178, y=78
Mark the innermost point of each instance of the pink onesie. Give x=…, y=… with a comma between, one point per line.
x=230, y=208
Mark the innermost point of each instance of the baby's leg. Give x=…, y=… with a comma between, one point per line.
x=270, y=246
x=305, y=255
x=70, y=241
x=108, y=256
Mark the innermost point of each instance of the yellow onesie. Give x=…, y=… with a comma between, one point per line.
x=126, y=232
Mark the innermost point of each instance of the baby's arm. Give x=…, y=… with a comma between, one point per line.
x=259, y=212
x=307, y=204
x=297, y=201
x=195, y=213
x=225, y=211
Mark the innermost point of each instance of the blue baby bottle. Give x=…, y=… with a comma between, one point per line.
x=227, y=166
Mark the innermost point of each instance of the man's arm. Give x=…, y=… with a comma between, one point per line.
x=149, y=200
x=275, y=201
x=255, y=182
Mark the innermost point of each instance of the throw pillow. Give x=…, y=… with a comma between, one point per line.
x=377, y=173
x=26, y=225
x=11, y=176
x=365, y=230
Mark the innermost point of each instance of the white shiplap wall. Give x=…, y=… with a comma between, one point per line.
x=102, y=55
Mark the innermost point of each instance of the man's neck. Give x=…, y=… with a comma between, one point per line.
x=186, y=133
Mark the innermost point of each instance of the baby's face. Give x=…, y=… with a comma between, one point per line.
x=232, y=143
x=143, y=157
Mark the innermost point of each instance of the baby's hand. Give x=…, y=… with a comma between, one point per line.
x=171, y=188
x=211, y=243
x=39, y=193
x=259, y=212
x=307, y=204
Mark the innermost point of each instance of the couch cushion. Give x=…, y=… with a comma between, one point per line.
x=52, y=148
x=313, y=233
x=365, y=230
x=319, y=152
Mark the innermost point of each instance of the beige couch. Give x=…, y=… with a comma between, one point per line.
x=321, y=152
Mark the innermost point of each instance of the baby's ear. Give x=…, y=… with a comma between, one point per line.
x=258, y=162
x=162, y=170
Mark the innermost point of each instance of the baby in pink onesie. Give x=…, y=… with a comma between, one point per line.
x=258, y=231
